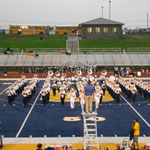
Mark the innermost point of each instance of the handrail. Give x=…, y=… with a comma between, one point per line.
x=138, y=49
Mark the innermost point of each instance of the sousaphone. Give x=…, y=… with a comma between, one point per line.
x=90, y=71
x=50, y=73
x=79, y=72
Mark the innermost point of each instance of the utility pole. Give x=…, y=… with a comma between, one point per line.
x=102, y=11
x=109, y=10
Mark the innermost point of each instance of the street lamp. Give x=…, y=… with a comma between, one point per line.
x=109, y=10
x=147, y=20
x=102, y=11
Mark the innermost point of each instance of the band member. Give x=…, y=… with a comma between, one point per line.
x=82, y=98
x=133, y=94
x=54, y=89
x=103, y=87
x=10, y=98
x=44, y=97
x=62, y=95
x=117, y=91
x=72, y=97
x=11, y=95
x=97, y=96
x=25, y=98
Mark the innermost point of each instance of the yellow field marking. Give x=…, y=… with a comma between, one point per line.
x=107, y=97
x=72, y=119
x=56, y=98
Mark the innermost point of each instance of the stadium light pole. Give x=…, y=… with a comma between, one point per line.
x=109, y=10
x=147, y=20
x=102, y=11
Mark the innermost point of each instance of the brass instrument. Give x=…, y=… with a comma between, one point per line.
x=57, y=73
x=104, y=72
x=50, y=73
x=90, y=71
x=79, y=72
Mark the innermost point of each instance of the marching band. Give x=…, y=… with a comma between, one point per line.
x=29, y=91
x=73, y=86
x=15, y=89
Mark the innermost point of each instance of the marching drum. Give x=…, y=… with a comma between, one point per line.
x=148, y=146
x=59, y=147
x=69, y=147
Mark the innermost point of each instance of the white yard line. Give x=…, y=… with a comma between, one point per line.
x=136, y=112
x=17, y=135
x=6, y=88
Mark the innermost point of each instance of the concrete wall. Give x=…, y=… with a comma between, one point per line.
x=101, y=35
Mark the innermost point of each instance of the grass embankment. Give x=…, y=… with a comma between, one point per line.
x=59, y=41
x=32, y=41
x=127, y=41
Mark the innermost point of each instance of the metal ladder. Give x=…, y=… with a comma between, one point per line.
x=90, y=138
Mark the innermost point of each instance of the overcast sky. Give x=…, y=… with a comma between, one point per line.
x=51, y=12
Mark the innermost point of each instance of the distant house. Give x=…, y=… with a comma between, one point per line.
x=101, y=28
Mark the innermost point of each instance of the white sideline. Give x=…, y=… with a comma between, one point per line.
x=136, y=112
x=66, y=140
x=27, y=116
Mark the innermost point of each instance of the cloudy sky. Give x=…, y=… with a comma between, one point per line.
x=51, y=12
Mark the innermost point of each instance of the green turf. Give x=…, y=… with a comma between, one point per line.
x=32, y=41
x=127, y=41
x=59, y=41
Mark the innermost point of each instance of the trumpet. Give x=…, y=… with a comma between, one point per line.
x=90, y=71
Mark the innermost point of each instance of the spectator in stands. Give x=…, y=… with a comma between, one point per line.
x=68, y=52
x=39, y=146
x=8, y=50
x=12, y=52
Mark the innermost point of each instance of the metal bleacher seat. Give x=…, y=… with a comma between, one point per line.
x=125, y=59
x=28, y=60
x=3, y=60
x=37, y=61
x=100, y=59
x=108, y=59
x=143, y=59
x=134, y=59
x=117, y=60
x=11, y=60
x=20, y=60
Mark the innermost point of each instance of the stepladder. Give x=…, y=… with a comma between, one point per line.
x=90, y=138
